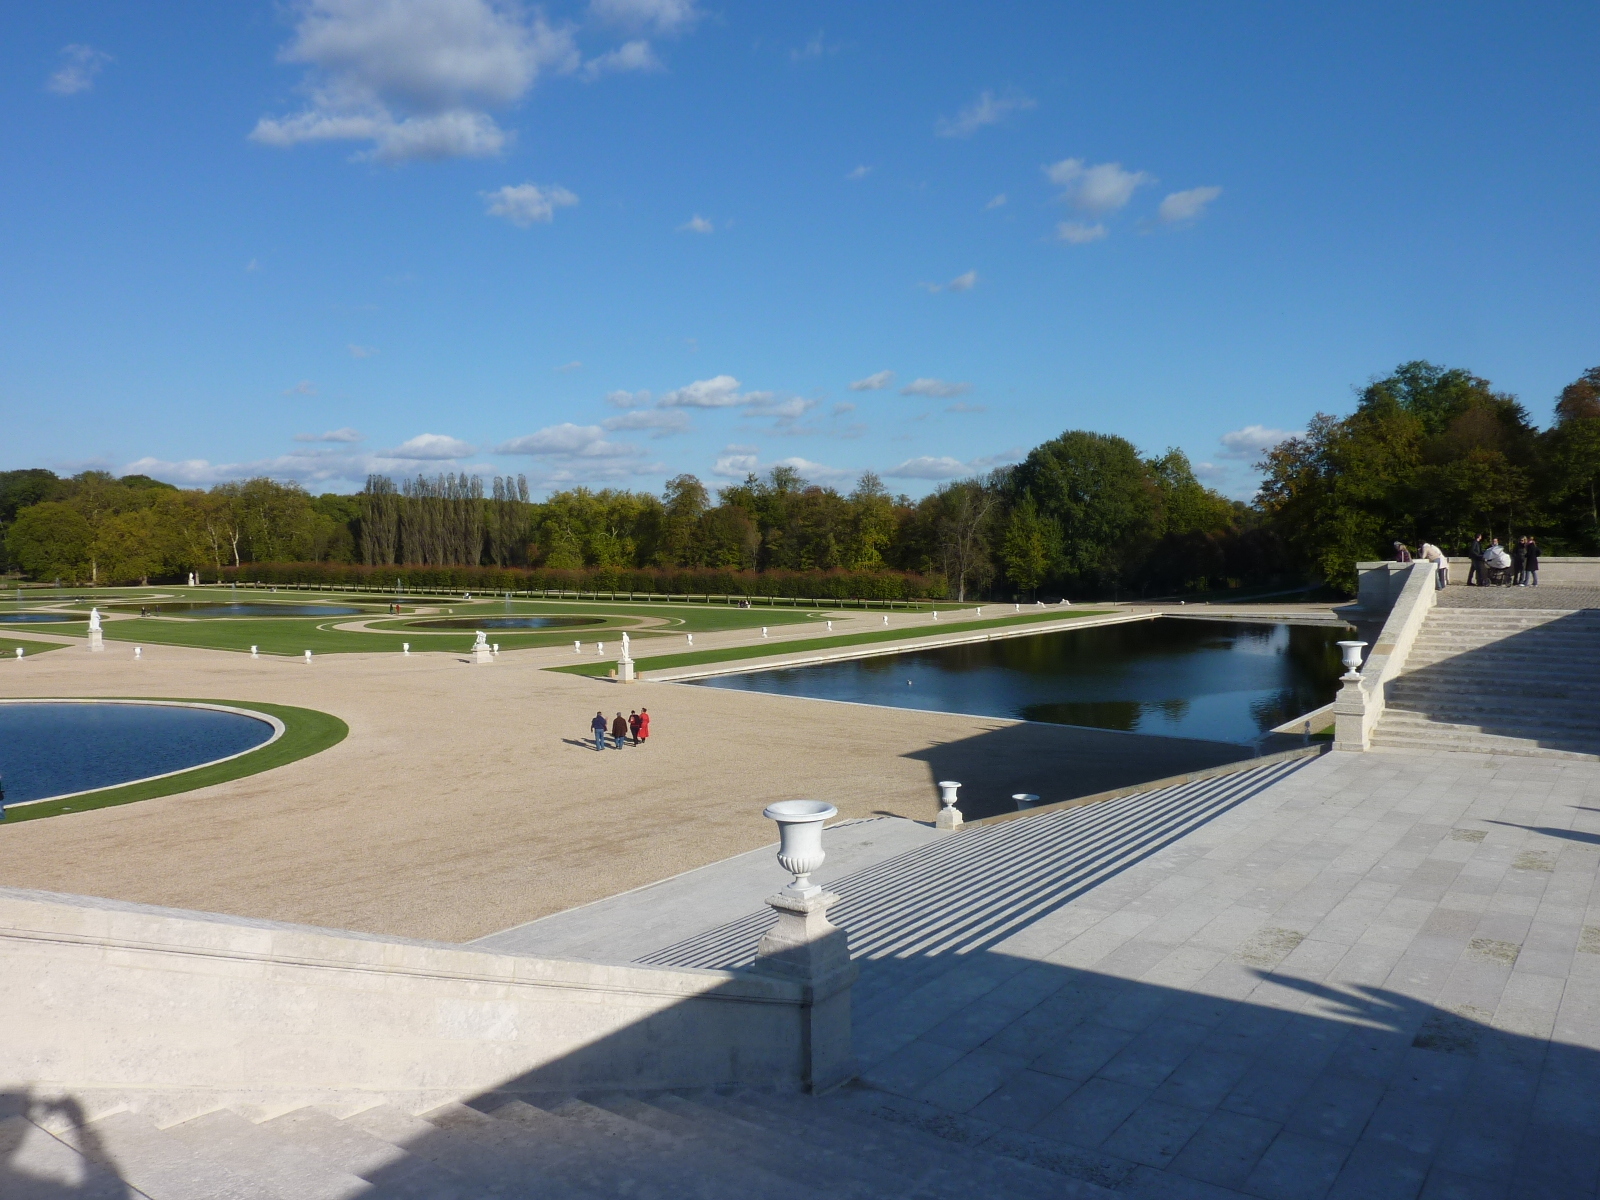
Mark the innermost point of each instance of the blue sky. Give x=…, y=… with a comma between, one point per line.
x=606, y=242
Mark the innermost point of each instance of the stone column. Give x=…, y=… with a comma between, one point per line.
x=804, y=946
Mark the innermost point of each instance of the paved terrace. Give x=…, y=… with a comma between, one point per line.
x=1370, y=976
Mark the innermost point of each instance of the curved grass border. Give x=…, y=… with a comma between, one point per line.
x=306, y=732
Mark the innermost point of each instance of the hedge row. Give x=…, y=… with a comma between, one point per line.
x=821, y=585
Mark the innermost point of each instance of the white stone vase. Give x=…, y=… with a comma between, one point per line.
x=1352, y=660
x=800, y=840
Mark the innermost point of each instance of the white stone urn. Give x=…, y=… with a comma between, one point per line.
x=949, y=815
x=800, y=841
x=1352, y=660
x=1024, y=800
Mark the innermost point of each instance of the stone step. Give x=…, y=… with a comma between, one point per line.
x=1530, y=715
x=1565, y=666
x=489, y=1173
x=266, y=1158
x=801, y=1163
x=163, y=1167
x=399, y=1174
x=550, y=1159
x=1557, y=693
x=1465, y=738
x=1507, y=724
x=36, y=1165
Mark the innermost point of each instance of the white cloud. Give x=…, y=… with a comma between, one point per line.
x=574, y=365
x=302, y=466
x=568, y=441
x=622, y=399
x=252, y=265
x=77, y=73
x=654, y=16
x=430, y=446
x=1210, y=473
x=945, y=467
x=961, y=283
x=1078, y=233
x=815, y=47
x=1187, y=206
x=860, y=172
x=721, y=391
x=665, y=422
x=696, y=224
x=842, y=407
x=875, y=382
x=998, y=202
x=938, y=389
x=1099, y=189
x=987, y=109
x=304, y=388
x=816, y=472
x=362, y=351
x=1253, y=441
x=735, y=462
x=345, y=435
x=528, y=202
x=630, y=56
x=412, y=77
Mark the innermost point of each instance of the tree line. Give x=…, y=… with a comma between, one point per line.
x=1429, y=452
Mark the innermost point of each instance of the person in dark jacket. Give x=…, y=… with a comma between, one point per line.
x=1475, y=567
x=633, y=726
x=598, y=728
x=1519, y=549
x=619, y=730
x=1530, y=562
x=1401, y=554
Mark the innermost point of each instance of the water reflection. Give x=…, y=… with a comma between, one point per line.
x=1219, y=680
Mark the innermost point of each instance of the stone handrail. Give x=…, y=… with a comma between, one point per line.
x=1360, y=703
x=1377, y=582
x=127, y=1003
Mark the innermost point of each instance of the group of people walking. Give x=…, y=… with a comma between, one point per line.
x=635, y=724
x=1489, y=565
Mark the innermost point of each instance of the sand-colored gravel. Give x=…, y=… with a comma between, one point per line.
x=467, y=799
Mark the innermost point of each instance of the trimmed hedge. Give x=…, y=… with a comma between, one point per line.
x=677, y=581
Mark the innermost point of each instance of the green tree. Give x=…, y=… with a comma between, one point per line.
x=1030, y=545
x=52, y=540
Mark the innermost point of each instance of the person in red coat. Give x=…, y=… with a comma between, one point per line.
x=644, y=724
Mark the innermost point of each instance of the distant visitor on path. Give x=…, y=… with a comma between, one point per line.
x=1519, y=550
x=598, y=727
x=619, y=731
x=633, y=726
x=1401, y=554
x=1530, y=564
x=1475, y=570
x=644, y=724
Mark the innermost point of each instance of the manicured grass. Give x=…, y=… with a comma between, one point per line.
x=306, y=732
x=8, y=648
x=665, y=662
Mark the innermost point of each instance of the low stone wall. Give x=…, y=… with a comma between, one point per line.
x=1359, y=704
x=1378, y=583
x=182, y=1012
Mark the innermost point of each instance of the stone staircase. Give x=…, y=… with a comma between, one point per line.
x=1500, y=681
x=699, y=1145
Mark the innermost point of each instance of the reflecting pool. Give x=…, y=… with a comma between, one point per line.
x=513, y=622
x=1219, y=680
x=211, y=609
x=52, y=749
x=40, y=618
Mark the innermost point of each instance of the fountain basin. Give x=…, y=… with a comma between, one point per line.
x=213, y=609
x=507, y=622
x=53, y=748
x=40, y=618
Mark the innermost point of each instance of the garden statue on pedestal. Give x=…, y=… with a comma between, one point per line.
x=96, y=638
x=480, y=649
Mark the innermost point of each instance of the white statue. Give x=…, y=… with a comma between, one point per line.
x=625, y=653
x=482, y=642
x=94, y=620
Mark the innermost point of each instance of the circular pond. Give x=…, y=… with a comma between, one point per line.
x=51, y=749
x=211, y=609
x=505, y=623
x=40, y=618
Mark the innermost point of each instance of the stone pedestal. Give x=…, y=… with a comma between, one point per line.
x=97, y=640
x=482, y=654
x=806, y=948
x=625, y=671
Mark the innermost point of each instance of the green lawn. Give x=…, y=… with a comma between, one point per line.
x=306, y=732
x=666, y=662
x=8, y=648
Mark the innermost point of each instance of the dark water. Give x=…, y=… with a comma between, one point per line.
x=210, y=609
x=1218, y=680
x=49, y=749
x=40, y=618
x=505, y=623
